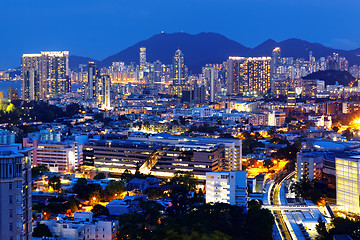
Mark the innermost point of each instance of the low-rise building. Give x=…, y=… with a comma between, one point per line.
x=227, y=187
x=309, y=165
x=83, y=226
x=57, y=156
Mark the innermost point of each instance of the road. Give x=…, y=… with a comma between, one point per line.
x=274, y=199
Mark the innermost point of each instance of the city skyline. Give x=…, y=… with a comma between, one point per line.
x=127, y=23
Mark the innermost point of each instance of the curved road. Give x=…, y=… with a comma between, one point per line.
x=275, y=200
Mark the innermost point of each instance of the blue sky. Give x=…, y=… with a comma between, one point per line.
x=99, y=28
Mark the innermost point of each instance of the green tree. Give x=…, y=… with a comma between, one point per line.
x=100, y=176
x=259, y=218
x=154, y=192
x=73, y=204
x=54, y=182
x=184, y=178
x=39, y=170
x=303, y=188
x=94, y=198
x=115, y=188
x=348, y=134
x=323, y=233
x=41, y=230
x=99, y=210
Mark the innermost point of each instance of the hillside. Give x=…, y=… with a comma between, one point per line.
x=200, y=49
x=332, y=76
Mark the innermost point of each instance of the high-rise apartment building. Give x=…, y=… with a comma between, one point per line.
x=179, y=73
x=104, y=99
x=255, y=75
x=93, y=81
x=233, y=75
x=55, y=72
x=15, y=189
x=31, y=87
x=275, y=60
x=248, y=75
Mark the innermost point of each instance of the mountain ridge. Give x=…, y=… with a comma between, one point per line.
x=209, y=47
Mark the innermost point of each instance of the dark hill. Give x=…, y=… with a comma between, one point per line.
x=198, y=49
x=332, y=76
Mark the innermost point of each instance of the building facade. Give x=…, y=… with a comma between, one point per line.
x=347, y=183
x=31, y=86
x=15, y=189
x=227, y=187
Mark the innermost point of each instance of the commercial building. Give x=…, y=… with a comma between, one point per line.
x=178, y=73
x=347, y=183
x=57, y=156
x=161, y=159
x=15, y=189
x=233, y=147
x=227, y=187
x=142, y=62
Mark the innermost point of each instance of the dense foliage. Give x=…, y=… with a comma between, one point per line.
x=339, y=226
x=218, y=221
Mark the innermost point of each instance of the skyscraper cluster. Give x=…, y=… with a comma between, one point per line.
x=97, y=88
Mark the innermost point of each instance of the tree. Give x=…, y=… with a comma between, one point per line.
x=115, y=188
x=303, y=188
x=335, y=129
x=73, y=204
x=339, y=226
x=39, y=170
x=41, y=230
x=126, y=176
x=154, y=192
x=99, y=176
x=259, y=218
x=54, y=182
x=94, y=198
x=184, y=178
x=99, y=210
x=84, y=190
x=348, y=134
x=321, y=230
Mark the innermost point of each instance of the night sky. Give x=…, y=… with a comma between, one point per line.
x=101, y=28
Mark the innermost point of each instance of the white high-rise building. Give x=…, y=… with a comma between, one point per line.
x=226, y=187
x=15, y=192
